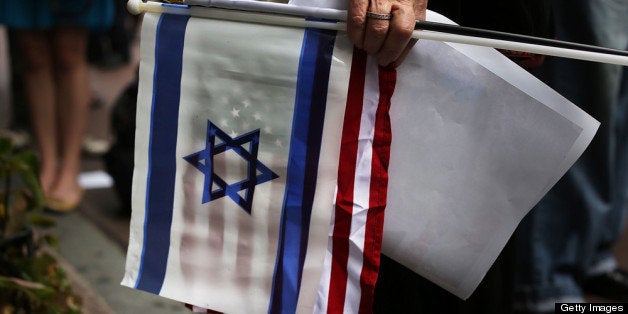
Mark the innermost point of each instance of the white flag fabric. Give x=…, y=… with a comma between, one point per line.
x=272, y=163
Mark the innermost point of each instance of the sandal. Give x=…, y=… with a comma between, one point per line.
x=61, y=206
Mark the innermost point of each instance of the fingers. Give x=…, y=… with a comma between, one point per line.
x=376, y=28
x=420, y=9
x=356, y=21
x=404, y=54
x=398, y=35
x=367, y=33
x=390, y=40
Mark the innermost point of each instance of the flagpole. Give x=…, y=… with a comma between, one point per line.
x=485, y=33
x=290, y=19
x=525, y=47
x=137, y=7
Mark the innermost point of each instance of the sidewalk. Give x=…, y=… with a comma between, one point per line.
x=98, y=266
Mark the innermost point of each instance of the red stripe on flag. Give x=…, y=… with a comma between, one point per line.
x=346, y=178
x=379, y=186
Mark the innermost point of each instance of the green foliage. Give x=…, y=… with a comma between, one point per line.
x=21, y=190
x=45, y=289
x=31, y=281
x=40, y=220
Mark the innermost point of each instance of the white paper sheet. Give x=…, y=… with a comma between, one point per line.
x=482, y=165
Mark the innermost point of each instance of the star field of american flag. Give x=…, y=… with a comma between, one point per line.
x=245, y=115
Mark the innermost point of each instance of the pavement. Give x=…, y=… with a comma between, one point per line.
x=95, y=266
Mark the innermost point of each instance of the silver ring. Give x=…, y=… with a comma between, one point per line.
x=378, y=16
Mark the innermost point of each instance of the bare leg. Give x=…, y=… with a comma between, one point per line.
x=40, y=92
x=73, y=94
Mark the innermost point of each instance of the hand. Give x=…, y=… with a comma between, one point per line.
x=390, y=40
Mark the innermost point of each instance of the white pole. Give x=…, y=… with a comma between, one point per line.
x=518, y=46
x=137, y=6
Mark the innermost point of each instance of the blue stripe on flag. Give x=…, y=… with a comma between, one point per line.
x=305, y=143
x=161, y=151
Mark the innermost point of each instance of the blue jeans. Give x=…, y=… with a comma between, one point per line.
x=570, y=233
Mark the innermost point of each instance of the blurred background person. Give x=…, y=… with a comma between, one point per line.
x=52, y=37
x=564, y=246
x=111, y=48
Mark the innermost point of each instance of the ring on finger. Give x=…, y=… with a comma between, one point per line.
x=378, y=16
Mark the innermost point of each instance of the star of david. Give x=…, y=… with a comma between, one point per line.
x=216, y=187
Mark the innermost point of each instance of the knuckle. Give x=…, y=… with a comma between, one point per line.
x=404, y=32
x=379, y=31
x=357, y=20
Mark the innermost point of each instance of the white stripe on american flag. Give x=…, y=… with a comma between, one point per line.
x=362, y=184
x=332, y=289
x=340, y=287
x=323, y=290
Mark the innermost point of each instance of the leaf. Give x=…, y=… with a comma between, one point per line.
x=40, y=220
x=51, y=240
x=17, y=213
x=5, y=146
x=24, y=167
x=45, y=293
x=7, y=309
x=3, y=210
x=5, y=281
x=28, y=160
x=73, y=304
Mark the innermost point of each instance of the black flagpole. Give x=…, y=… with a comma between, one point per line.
x=490, y=34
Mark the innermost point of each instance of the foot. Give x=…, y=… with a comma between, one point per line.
x=48, y=169
x=47, y=179
x=60, y=205
x=612, y=285
x=65, y=196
